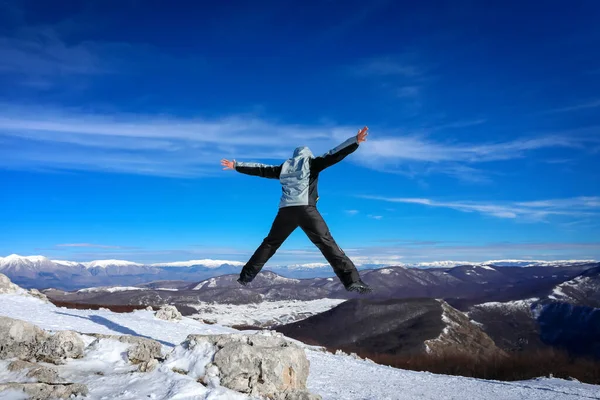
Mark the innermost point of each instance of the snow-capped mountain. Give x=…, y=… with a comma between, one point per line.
x=110, y=263
x=17, y=263
x=425, y=279
x=41, y=272
x=583, y=290
x=535, y=263
x=208, y=263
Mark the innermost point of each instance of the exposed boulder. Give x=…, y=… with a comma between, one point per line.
x=168, y=313
x=148, y=366
x=44, y=391
x=264, y=365
x=20, y=339
x=38, y=372
x=60, y=346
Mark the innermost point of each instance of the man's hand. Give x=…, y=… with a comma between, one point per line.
x=362, y=134
x=227, y=164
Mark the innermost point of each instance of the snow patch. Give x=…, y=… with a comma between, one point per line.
x=263, y=314
x=111, y=289
x=66, y=263
x=192, y=361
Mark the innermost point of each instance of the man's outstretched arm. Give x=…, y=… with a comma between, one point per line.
x=340, y=152
x=256, y=169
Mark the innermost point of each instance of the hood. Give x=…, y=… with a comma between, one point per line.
x=303, y=151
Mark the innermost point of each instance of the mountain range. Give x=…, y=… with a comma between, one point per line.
x=40, y=272
x=518, y=308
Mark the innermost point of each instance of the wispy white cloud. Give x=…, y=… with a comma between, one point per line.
x=39, y=58
x=42, y=53
x=156, y=145
x=46, y=138
x=351, y=212
x=576, y=107
x=388, y=66
x=89, y=245
x=408, y=91
x=532, y=211
x=377, y=217
x=419, y=148
x=458, y=124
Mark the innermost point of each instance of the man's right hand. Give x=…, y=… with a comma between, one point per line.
x=362, y=134
x=228, y=164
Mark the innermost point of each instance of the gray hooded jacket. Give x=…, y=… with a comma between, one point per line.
x=299, y=175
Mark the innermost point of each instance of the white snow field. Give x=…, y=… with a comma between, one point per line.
x=266, y=313
x=335, y=377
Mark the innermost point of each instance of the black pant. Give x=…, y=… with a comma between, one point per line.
x=312, y=223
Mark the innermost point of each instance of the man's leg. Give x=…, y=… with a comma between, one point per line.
x=285, y=223
x=316, y=229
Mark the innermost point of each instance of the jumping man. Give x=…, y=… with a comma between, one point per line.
x=299, y=177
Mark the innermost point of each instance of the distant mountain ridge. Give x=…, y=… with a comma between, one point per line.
x=40, y=272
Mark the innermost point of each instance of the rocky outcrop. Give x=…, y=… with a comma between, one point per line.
x=7, y=287
x=20, y=339
x=38, y=372
x=462, y=336
x=39, y=295
x=60, y=346
x=44, y=391
x=265, y=365
x=168, y=313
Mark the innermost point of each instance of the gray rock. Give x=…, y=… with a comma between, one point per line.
x=39, y=372
x=37, y=294
x=148, y=366
x=302, y=395
x=60, y=346
x=20, y=339
x=142, y=350
x=168, y=313
x=44, y=391
x=6, y=286
x=263, y=365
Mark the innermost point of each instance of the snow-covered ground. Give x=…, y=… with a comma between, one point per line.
x=510, y=305
x=114, y=289
x=266, y=313
x=334, y=377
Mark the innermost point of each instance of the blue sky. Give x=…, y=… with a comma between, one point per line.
x=484, y=127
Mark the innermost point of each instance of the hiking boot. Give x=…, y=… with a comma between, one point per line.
x=359, y=287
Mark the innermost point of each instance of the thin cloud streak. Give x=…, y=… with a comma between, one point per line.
x=576, y=107
x=532, y=211
x=89, y=245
